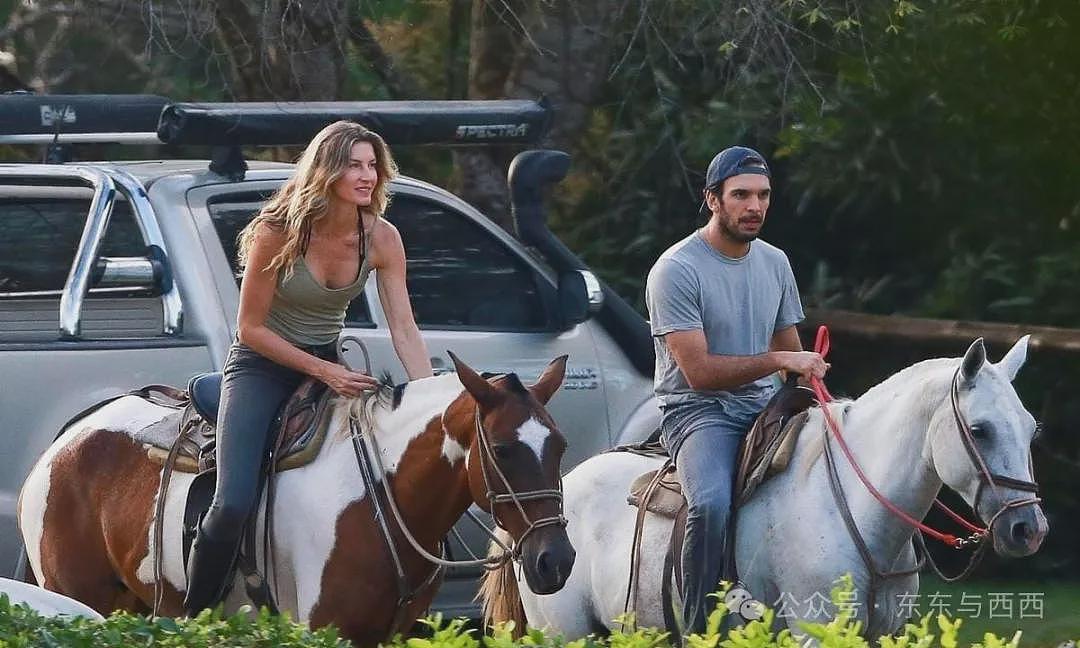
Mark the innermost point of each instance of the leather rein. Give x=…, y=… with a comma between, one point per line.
x=499, y=491
x=978, y=535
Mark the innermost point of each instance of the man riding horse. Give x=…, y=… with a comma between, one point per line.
x=723, y=306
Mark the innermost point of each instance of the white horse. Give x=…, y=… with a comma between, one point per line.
x=791, y=540
x=44, y=602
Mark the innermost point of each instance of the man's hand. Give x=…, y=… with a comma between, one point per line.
x=807, y=364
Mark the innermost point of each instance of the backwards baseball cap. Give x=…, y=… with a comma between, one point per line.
x=733, y=161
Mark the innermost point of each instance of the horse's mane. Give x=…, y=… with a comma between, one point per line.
x=917, y=373
x=388, y=395
x=363, y=408
x=513, y=383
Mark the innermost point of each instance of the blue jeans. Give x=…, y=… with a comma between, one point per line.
x=703, y=438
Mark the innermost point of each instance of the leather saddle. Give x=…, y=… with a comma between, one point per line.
x=189, y=433
x=184, y=441
x=765, y=451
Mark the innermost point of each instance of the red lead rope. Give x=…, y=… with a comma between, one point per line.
x=821, y=346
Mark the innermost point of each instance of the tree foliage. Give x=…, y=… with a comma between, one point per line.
x=924, y=150
x=924, y=153
x=944, y=162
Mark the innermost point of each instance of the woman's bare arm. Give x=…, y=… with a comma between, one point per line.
x=256, y=295
x=394, y=296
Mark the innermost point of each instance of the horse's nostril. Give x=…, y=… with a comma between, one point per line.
x=1020, y=531
x=542, y=561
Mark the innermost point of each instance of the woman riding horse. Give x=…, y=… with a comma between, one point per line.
x=306, y=256
x=103, y=523
x=90, y=509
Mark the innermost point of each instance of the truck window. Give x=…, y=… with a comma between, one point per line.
x=460, y=276
x=231, y=212
x=39, y=237
x=40, y=228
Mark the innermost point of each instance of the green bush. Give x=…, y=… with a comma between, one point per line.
x=22, y=627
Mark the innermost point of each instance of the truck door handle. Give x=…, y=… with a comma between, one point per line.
x=439, y=366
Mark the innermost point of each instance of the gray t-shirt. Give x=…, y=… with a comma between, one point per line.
x=738, y=303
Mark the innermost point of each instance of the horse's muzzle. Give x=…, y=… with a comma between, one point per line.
x=547, y=559
x=1020, y=531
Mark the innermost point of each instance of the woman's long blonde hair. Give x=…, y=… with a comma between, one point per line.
x=304, y=198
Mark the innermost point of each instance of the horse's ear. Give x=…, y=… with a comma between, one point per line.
x=480, y=389
x=1014, y=359
x=550, y=380
x=973, y=361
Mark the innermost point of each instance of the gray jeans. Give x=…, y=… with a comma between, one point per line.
x=704, y=437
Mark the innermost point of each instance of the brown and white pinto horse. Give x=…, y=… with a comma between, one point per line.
x=86, y=510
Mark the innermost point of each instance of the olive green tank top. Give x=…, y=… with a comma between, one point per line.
x=305, y=312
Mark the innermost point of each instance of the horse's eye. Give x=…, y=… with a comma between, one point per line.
x=978, y=431
x=502, y=450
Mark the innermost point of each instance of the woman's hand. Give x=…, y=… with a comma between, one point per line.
x=345, y=382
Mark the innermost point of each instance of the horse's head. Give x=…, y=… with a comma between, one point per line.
x=981, y=447
x=513, y=469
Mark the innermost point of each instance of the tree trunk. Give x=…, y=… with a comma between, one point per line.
x=282, y=50
x=528, y=49
x=9, y=81
x=456, y=58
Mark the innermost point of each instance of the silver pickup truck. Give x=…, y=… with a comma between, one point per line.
x=115, y=275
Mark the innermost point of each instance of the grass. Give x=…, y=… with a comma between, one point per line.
x=1003, y=607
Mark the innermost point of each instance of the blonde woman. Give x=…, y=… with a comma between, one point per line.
x=305, y=256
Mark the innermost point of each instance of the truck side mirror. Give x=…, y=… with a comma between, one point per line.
x=580, y=296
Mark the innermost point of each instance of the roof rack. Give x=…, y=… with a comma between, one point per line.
x=152, y=119
x=399, y=122
x=60, y=120
x=79, y=119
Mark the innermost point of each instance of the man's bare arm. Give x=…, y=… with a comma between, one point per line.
x=787, y=340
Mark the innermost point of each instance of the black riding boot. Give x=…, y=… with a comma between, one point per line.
x=210, y=571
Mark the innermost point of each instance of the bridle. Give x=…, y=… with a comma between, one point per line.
x=369, y=460
x=986, y=478
x=978, y=535
x=489, y=465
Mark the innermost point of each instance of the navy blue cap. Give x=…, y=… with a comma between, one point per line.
x=733, y=161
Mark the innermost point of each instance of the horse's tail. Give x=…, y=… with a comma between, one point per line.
x=499, y=596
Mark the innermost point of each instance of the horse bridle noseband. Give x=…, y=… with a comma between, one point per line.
x=509, y=495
